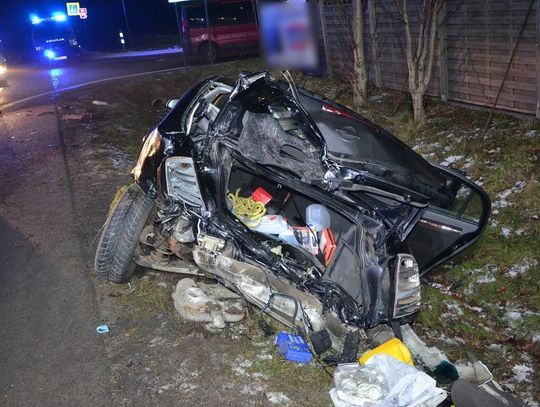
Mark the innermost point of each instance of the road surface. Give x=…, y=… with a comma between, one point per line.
x=50, y=353
x=35, y=82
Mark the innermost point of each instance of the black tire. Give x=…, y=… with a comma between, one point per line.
x=121, y=234
x=209, y=52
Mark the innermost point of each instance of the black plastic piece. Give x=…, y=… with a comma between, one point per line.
x=350, y=350
x=321, y=341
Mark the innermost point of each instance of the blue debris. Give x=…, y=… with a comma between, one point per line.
x=102, y=329
x=293, y=347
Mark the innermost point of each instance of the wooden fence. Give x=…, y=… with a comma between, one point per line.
x=474, y=45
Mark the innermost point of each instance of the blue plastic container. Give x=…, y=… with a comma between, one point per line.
x=293, y=347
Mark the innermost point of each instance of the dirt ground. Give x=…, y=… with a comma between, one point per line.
x=486, y=302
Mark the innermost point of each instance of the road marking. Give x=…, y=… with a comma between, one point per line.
x=81, y=85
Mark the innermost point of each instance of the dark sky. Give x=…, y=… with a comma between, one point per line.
x=99, y=31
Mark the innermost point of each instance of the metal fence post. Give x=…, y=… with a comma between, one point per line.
x=537, y=60
x=374, y=42
x=322, y=19
x=443, y=52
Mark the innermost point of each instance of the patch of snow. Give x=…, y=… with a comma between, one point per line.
x=501, y=198
x=251, y=389
x=536, y=338
x=522, y=373
x=453, y=308
x=486, y=278
x=162, y=284
x=495, y=212
x=453, y=341
x=530, y=402
x=452, y=159
x=522, y=267
x=531, y=133
x=241, y=365
x=513, y=315
x=264, y=356
x=278, y=398
x=506, y=231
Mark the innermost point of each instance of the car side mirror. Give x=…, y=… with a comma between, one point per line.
x=172, y=103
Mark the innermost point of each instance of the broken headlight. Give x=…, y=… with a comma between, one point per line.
x=182, y=181
x=407, y=286
x=151, y=145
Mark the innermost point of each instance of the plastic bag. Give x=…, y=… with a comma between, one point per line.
x=399, y=383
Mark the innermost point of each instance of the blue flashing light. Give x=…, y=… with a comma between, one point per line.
x=35, y=19
x=59, y=17
x=49, y=53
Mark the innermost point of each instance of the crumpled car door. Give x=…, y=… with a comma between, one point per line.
x=444, y=230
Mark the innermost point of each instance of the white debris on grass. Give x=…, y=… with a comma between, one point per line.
x=536, y=338
x=278, y=398
x=522, y=268
x=522, y=373
x=162, y=284
x=531, y=133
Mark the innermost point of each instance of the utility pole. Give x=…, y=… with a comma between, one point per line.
x=126, y=20
x=180, y=32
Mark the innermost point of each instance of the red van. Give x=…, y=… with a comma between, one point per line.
x=233, y=29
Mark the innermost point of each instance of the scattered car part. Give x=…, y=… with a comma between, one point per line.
x=212, y=303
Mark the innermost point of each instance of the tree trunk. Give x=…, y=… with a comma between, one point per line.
x=420, y=52
x=418, y=107
x=360, y=74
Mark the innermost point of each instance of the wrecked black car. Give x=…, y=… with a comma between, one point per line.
x=270, y=189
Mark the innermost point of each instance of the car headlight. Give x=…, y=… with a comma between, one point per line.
x=182, y=183
x=151, y=145
x=3, y=69
x=407, y=286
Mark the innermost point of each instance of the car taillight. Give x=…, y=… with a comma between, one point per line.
x=336, y=110
x=407, y=286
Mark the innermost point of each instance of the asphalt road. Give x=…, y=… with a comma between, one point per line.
x=50, y=353
x=39, y=81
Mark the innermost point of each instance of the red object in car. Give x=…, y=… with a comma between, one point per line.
x=261, y=195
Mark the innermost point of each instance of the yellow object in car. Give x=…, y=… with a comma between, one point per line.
x=394, y=347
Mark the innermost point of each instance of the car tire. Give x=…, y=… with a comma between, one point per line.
x=209, y=52
x=121, y=233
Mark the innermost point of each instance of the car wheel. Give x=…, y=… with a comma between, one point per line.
x=209, y=52
x=121, y=234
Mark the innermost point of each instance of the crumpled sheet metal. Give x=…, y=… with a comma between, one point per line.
x=210, y=303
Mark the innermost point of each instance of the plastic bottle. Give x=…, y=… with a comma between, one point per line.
x=318, y=216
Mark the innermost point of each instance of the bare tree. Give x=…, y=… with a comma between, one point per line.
x=347, y=56
x=420, y=52
x=360, y=78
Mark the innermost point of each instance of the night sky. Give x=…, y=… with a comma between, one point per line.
x=98, y=32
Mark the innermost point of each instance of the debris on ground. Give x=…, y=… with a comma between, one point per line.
x=212, y=303
x=102, y=329
x=293, y=347
x=384, y=381
x=84, y=118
